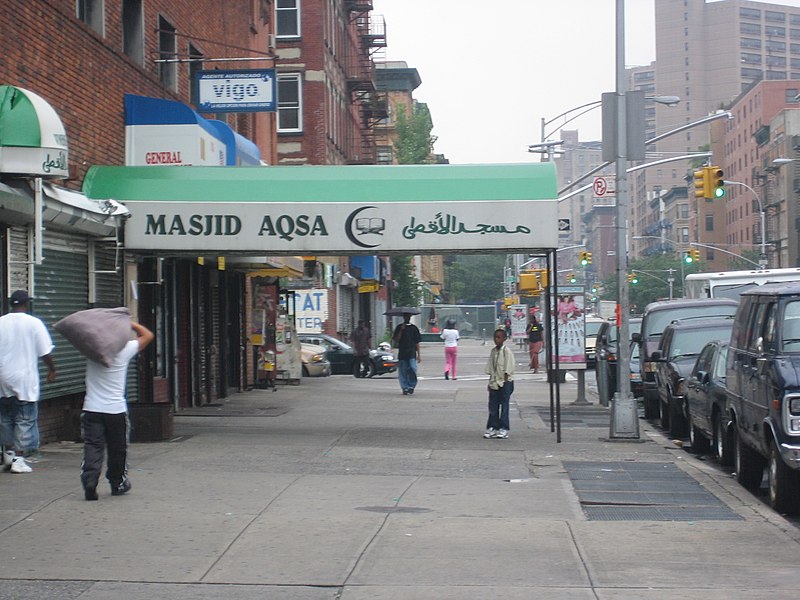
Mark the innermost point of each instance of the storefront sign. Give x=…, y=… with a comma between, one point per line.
x=331, y=227
x=250, y=90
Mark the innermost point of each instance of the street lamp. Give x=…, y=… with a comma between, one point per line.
x=762, y=259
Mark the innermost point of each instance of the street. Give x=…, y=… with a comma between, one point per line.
x=345, y=488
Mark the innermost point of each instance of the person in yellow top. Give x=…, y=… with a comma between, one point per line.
x=500, y=369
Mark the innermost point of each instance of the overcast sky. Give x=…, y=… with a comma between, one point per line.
x=492, y=70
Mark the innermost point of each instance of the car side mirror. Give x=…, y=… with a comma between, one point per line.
x=636, y=338
x=760, y=345
x=702, y=377
x=655, y=356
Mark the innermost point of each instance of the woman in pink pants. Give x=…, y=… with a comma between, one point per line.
x=450, y=336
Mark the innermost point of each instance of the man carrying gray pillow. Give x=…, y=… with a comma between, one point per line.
x=104, y=420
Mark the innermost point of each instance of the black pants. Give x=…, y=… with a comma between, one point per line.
x=101, y=431
x=360, y=365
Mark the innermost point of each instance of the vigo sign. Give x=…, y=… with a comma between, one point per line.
x=248, y=90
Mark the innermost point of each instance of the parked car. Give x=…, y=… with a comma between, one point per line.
x=592, y=325
x=342, y=355
x=678, y=349
x=315, y=364
x=657, y=315
x=606, y=369
x=706, y=401
x=763, y=382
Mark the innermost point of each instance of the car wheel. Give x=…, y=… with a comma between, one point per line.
x=722, y=446
x=677, y=421
x=651, y=408
x=700, y=443
x=371, y=370
x=784, y=483
x=748, y=464
x=664, y=414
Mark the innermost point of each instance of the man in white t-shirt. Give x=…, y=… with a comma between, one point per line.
x=23, y=340
x=104, y=420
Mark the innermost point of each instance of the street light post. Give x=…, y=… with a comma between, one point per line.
x=624, y=415
x=762, y=259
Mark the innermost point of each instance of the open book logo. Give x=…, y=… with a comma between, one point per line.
x=371, y=225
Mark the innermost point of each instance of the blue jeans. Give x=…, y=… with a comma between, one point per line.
x=19, y=424
x=407, y=373
x=498, y=407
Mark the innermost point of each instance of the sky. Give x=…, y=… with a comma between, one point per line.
x=492, y=70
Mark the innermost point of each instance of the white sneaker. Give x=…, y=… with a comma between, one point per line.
x=8, y=458
x=489, y=433
x=20, y=466
x=501, y=434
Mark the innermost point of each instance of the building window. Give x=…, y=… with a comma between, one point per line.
x=772, y=46
x=384, y=155
x=794, y=34
x=167, y=49
x=750, y=29
x=684, y=211
x=776, y=61
x=290, y=105
x=750, y=13
x=774, y=17
x=776, y=75
x=751, y=73
x=752, y=59
x=771, y=30
x=91, y=13
x=684, y=235
x=791, y=96
x=750, y=43
x=133, y=30
x=709, y=222
x=195, y=63
x=287, y=18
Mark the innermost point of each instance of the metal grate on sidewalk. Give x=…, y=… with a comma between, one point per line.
x=643, y=491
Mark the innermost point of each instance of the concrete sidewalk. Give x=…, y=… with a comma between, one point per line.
x=345, y=488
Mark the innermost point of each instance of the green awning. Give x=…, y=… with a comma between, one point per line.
x=355, y=183
x=336, y=210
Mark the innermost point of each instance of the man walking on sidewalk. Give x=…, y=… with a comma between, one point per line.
x=23, y=340
x=407, y=338
x=500, y=369
x=104, y=420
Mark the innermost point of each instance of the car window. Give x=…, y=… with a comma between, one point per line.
x=690, y=342
x=791, y=327
x=719, y=368
x=755, y=326
x=704, y=360
x=658, y=320
x=770, y=328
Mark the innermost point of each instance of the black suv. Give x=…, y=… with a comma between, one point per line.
x=763, y=381
x=657, y=315
x=680, y=345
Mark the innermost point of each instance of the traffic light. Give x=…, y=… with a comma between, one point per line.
x=716, y=182
x=585, y=258
x=571, y=277
x=632, y=278
x=691, y=256
x=702, y=183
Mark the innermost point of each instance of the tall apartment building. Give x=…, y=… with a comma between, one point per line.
x=708, y=53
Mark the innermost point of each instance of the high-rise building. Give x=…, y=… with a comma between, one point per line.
x=709, y=53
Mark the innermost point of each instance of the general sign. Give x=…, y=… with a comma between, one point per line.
x=604, y=186
x=248, y=90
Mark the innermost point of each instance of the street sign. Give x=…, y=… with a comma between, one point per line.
x=604, y=186
x=564, y=225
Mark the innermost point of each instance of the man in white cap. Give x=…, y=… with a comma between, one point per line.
x=23, y=341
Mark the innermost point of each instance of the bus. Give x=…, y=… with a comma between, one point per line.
x=730, y=284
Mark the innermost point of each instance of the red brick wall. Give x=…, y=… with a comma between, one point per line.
x=47, y=50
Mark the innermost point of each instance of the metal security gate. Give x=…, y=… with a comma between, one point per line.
x=61, y=287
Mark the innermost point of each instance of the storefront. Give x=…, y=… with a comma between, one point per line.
x=61, y=247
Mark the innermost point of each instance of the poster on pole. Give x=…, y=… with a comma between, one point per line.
x=518, y=313
x=568, y=308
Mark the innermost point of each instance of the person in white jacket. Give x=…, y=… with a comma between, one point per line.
x=450, y=336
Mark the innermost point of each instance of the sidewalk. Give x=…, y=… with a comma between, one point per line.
x=345, y=488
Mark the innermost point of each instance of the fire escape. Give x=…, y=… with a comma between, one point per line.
x=371, y=103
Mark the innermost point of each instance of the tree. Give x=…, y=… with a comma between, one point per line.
x=407, y=292
x=414, y=142
x=476, y=279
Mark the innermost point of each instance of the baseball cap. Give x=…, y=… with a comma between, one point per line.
x=19, y=297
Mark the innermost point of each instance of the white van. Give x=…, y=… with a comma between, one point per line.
x=730, y=284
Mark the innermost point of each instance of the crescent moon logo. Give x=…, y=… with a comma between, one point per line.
x=349, y=228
